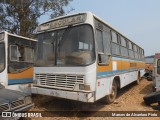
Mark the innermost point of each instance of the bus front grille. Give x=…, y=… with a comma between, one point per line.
x=59, y=80
x=4, y=107
x=17, y=103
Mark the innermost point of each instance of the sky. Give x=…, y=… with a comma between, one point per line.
x=139, y=20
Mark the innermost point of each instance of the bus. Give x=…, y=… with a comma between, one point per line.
x=81, y=57
x=16, y=61
x=156, y=72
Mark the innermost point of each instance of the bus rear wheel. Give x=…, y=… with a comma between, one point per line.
x=110, y=98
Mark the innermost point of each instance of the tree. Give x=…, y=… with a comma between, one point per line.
x=21, y=16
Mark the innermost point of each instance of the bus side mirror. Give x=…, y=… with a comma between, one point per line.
x=14, y=53
x=103, y=59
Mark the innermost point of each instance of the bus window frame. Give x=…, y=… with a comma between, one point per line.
x=107, y=32
x=123, y=38
x=2, y=35
x=4, y=57
x=94, y=44
x=158, y=66
x=102, y=55
x=122, y=46
x=115, y=43
x=112, y=31
x=131, y=49
x=17, y=60
x=101, y=40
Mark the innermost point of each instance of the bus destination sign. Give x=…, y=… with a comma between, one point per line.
x=62, y=22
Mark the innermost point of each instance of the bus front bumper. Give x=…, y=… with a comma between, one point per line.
x=72, y=95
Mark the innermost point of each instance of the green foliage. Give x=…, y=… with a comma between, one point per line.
x=21, y=16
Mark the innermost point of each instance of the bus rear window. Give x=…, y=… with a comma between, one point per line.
x=158, y=66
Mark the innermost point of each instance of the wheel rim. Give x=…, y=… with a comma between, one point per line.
x=114, y=91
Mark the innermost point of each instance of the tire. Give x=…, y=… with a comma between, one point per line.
x=149, y=78
x=110, y=98
x=152, y=98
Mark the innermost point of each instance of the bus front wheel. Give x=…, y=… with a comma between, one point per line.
x=110, y=98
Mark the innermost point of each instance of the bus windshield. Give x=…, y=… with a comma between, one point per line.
x=72, y=46
x=2, y=57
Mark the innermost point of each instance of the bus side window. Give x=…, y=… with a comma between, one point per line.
x=158, y=66
x=103, y=58
x=107, y=42
x=130, y=45
x=14, y=53
x=136, y=54
x=115, y=44
x=2, y=58
x=124, y=49
x=99, y=37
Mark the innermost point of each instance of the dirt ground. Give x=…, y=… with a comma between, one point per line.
x=129, y=98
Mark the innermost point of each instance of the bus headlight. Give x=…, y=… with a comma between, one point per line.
x=84, y=87
x=28, y=100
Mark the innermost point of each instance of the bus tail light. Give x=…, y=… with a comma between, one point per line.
x=84, y=87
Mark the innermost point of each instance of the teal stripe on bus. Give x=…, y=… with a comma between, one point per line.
x=20, y=81
x=100, y=74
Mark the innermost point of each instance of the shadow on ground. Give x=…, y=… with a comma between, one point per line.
x=147, y=89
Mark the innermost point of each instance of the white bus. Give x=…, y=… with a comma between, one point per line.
x=156, y=72
x=16, y=61
x=81, y=57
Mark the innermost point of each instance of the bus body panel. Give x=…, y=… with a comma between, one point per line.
x=88, y=73
x=72, y=95
x=19, y=80
x=3, y=74
x=4, y=78
x=22, y=77
x=156, y=72
x=118, y=67
x=60, y=88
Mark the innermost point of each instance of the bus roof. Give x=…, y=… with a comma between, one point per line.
x=106, y=23
x=113, y=28
x=18, y=36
